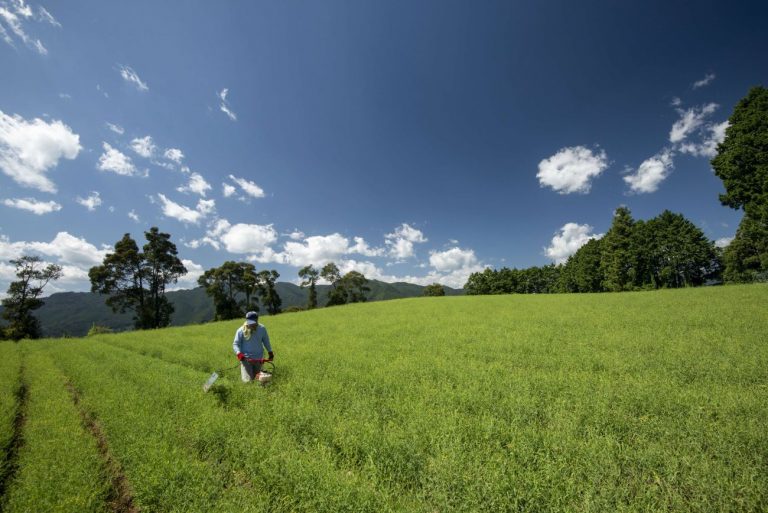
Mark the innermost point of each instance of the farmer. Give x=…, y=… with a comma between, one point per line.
x=250, y=340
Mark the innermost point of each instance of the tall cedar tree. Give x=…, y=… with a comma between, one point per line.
x=23, y=297
x=742, y=164
x=356, y=287
x=336, y=295
x=309, y=276
x=269, y=296
x=137, y=280
x=222, y=284
x=617, y=261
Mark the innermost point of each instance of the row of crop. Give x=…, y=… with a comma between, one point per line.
x=59, y=465
x=10, y=386
x=185, y=450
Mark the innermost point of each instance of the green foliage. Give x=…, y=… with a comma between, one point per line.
x=742, y=158
x=10, y=385
x=617, y=260
x=613, y=402
x=309, y=276
x=23, y=297
x=269, y=296
x=227, y=284
x=582, y=272
x=99, y=330
x=434, y=289
x=746, y=257
x=137, y=281
x=533, y=280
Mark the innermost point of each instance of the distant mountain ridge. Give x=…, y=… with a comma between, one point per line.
x=73, y=313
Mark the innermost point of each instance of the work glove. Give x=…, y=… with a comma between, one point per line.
x=240, y=356
x=271, y=355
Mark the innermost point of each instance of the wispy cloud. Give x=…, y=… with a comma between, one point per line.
x=144, y=146
x=130, y=76
x=709, y=77
x=174, y=155
x=571, y=170
x=32, y=205
x=690, y=120
x=224, y=106
x=91, y=202
x=13, y=17
x=248, y=187
x=28, y=149
x=116, y=128
x=196, y=184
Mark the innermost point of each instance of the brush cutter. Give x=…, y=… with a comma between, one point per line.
x=264, y=378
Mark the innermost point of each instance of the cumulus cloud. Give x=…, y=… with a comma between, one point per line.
x=196, y=185
x=32, y=205
x=651, y=173
x=315, y=250
x=452, y=259
x=29, y=149
x=144, y=146
x=174, y=155
x=711, y=136
x=116, y=161
x=185, y=214
x=709, y=77
x=296, y=235
x=248, y=187
x=401, y=241
x=116, y=128
x=70, y=250
x=189, y=280
x=572, y=169
x=361, y=247
x=228, y=190
x=723, y=242
x=248, y=238
x=224, y=106
x=130, y=76
x=91, y=202
x=690, y=120
x=568, y=240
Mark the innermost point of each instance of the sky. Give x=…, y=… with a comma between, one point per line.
x=410, y=141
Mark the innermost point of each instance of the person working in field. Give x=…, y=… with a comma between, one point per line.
x=250, y=341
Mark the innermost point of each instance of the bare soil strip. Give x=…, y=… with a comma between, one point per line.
x=12, y=451
x=120, y=497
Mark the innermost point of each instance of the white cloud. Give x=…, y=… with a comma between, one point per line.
x=91, y=202
x=248, y=238
x=116, y=128
x=13, y=16
x=189, y=280
x=224, y=106
x=70, y=250
x=452, y=259
x=196, y=184
x=711, y=136
x=132, y=77
x=704, y=81
x=144, y=146
x=316, y=250
x=296, y=235
x=185, y=214
x=115, y=161
x=651, y=173
x=676, y=102
x=572, y=169
x=47, y=17
x=362, y=248
x=28, y=149
x=32, y=205
x=723, y=242
x=248, y=187
x=690, y=120
x=401, y=241
x=133, y=215
x=174, y=155
x=568, y=240
x=228, y=190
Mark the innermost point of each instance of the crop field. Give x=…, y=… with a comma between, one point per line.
x=651, y=401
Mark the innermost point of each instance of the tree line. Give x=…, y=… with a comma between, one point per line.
x=667, y=251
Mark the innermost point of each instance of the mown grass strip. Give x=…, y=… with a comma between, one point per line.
x=58, y=466
x=13, y=396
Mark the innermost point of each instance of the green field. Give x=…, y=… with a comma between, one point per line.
x=652, y=401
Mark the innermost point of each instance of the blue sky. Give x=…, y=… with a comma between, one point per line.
x=412, y=141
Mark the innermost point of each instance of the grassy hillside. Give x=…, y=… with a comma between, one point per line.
x=73, y=313
x=654, y=401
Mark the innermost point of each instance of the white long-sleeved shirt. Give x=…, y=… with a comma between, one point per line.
x=252, y=347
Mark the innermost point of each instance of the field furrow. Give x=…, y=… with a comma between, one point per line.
x=59, y=468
